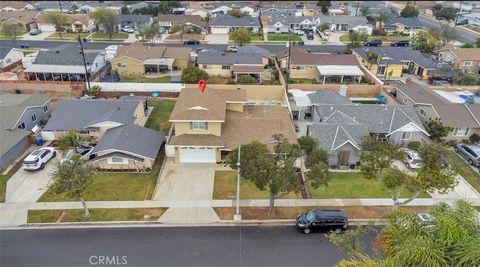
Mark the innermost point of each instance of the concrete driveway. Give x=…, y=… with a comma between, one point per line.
x=187, y=188
x=216, y=39
x=38, y=37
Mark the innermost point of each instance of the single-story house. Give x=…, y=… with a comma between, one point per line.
x=282, y=21
x=167, y=21
x=224, y=7
x=197, y=11
x=75, y=23
x=325, y=68
x=116, y=126
x=15, y=6
x=465, y=59
x=9, y=56
x=64, y=63
x=226, y=24
x=340, y=125
x=396, y=60
x=20, y=114
x=209, y=125
x=26, y=18
x=347, y=23
x=57, y=6
x=94, y=5
x=137, y=22
x=139, y=60
x=462, y=118
x=405, y=26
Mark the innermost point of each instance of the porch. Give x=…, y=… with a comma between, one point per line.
x=156, y=67
x=55, y=73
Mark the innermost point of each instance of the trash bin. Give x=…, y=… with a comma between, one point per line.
x=38, y=141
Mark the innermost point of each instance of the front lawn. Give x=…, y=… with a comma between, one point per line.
x=105, y=37
x=284, y=37
x=474, y=27
x=164, y=79
x=302, y=80
x=344, y=38
x=3, y=186
x=225, y=187
x=96, y=215
x=158, y=120
x=66, y=36
x=458, y=164
x=253, y=38
x=352, y=185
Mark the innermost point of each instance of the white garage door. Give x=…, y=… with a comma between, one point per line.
x=220, y=30
x=197, y=154
x=46, y=27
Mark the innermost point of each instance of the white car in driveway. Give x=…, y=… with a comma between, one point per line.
x=128, y=29
x=83, y=151
x=412, y=160
x=38, y=158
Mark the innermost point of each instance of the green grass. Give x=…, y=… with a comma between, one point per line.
x=225, y=187
x=3, y=186
x=19, y=35
x=66, y=36
x=165, y=79
x=365, y=101
x=283, y=37
x=458, y=164
x=253, y=38
x=104, y=36
x=158, y=120
x=302, y=80
x=474, y=27
x=96, y=215
x=344, y=38
x=352, y=185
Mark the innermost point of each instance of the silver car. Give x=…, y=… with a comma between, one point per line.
x=469, y=152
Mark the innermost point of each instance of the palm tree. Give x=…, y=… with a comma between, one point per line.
x=373, y=58
x=381, y=19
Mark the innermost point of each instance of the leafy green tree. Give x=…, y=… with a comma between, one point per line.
x=241, y=36
x=324, y=6
x=11, y=30
x=350, y=241
x=447, y=13
x=436, y=129
x=474, y=138
x=106, y=18
x=192, y=74
x=245, y=79
x=468, y=45
x=58, y=19
x=125, y=10
x=94, y=91
x=275, y=172
x=445, y=33
x=409, y=12
x=308, y=143
x=236, y=13
x=71, y=139
x=364, y=10
x=477, y=42
x=425, y=42
x=151, y=33
x=356, y=39
x=72, y=177
x=467, y=79
x=381, y=19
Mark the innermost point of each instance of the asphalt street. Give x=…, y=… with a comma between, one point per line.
x=168, y=246
x=102, y=45
x=463, y=36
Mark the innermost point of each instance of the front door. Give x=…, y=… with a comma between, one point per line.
x=343, y=157
x=411, y=67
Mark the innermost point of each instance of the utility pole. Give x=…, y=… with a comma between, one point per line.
x=60, y=5
x=356, y=11
x=84, y=62
x=289, y=45
x=237, y=216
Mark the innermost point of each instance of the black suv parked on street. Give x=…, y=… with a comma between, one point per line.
x=322, y=220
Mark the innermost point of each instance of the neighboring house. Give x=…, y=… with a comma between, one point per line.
x=75, y=23
x=15, y=6
x=396, y=60
x=404, y=26
x=340, y=125
x=464, y=59
x=347, y=23
x=325, y=68
x=169, y=20
x=64, y=63
x=60, y=6
x=226, y=24
x=202, y=12
x=138, y=60
x=466, y=5
x=209, y=125
x=282, y=22
x=20, y=113
x=462, y=118
x=94, y=5
x=9, y=56
x=224, y=7
x=26, y=18
x=137, y=5
x=115, y=125
x=471, y=18
x=228, y=64
x=137, y=22
x=374, y=8
x=310, y=10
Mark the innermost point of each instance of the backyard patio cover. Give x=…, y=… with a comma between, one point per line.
x=56, y=69
x=340, y=70
x=247, y=69
x=159, y=61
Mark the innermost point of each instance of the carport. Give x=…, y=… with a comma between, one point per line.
x=340, y=73
x=256, y=71
x=158, y=66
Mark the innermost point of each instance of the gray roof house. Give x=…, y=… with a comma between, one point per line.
x=117, y=127
x=226, y=24
x=64, y=63
x=341, y=125
x=346, y=23
x=282, y=22
x=137, y=22
x=19, y=114
x=406, y=26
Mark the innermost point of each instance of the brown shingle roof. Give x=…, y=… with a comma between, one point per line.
x=142, y=52
x=301, y=56
x=21, y=16
x=463, y=53
x=194, y=19
x=13, y=4
x=208, y=106
x=71, y=18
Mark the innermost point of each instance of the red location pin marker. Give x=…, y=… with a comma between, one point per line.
x=202, y=84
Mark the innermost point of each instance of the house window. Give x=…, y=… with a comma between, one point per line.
x=121, y=65
x=21, y=126
x=467, y=63
x=225, y=67
x=45, y=108
x=204, y=67
x=423, y=113
x=381, y=70
x=198, y=125
x=406, y=136
x=300, y=67
x=34, y=117
x=461, y=131
x=117, y=160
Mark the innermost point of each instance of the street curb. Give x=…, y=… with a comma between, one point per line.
x=132, y=224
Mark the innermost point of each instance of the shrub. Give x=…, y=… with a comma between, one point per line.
x=192, y=74
x=451, y=142
x=231, y=81
x=468, y=79
x=414, y=145
x=94, y=91
x=245, y=79
x=474, y=138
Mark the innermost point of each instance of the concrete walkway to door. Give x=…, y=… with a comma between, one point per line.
x=181, y=183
